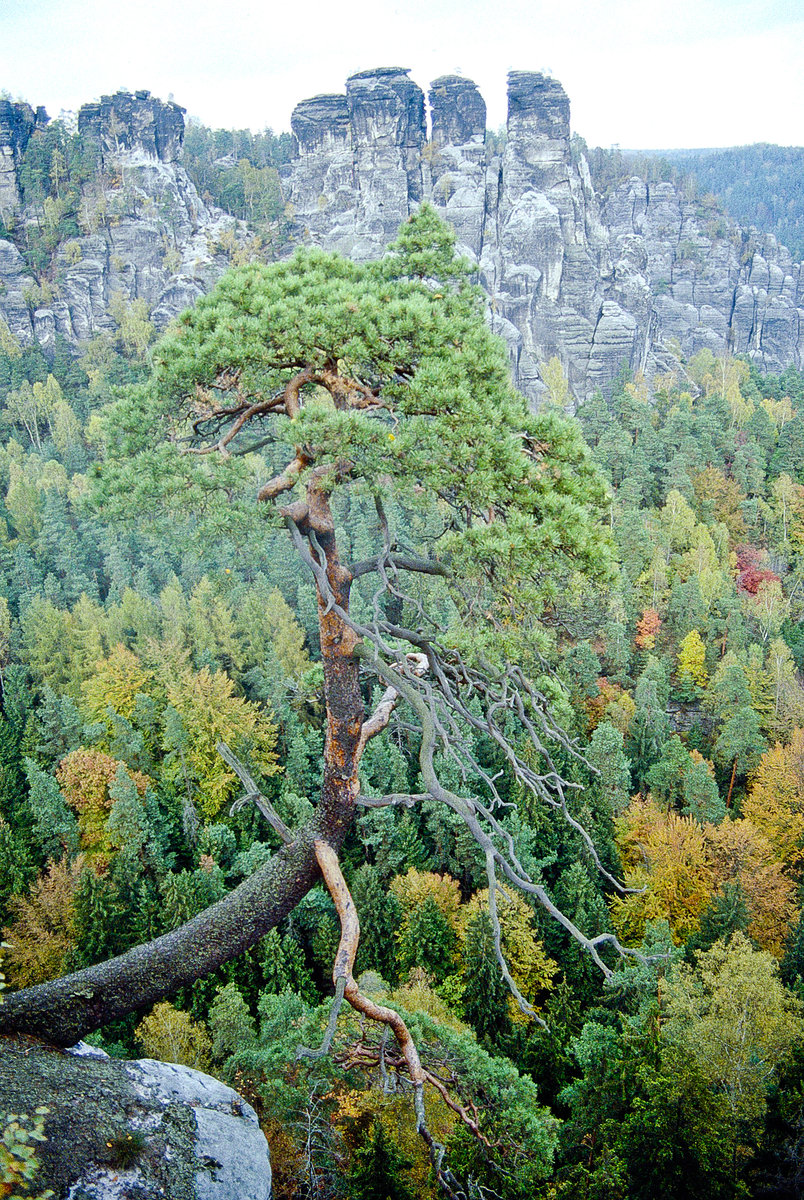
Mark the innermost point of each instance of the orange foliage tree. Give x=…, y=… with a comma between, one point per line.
x=85, y=777
x=648, y=626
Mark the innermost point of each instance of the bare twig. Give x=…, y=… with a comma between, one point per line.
x=395, y=800
x=254, y=795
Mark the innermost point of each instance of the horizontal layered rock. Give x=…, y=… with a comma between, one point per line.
x=633, y=281
x=600, y=286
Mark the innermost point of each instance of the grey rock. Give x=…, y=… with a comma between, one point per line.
x=196, y=1138
x=17, y=124
x=137, y=122
x=229, y=1145
x=234, y=1155
x=153, y=237
x=597, y=284
x=457, y=112
x=15, y=281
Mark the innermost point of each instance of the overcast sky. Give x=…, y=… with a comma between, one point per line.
x=641, y=73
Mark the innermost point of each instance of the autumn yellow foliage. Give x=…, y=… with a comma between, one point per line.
x=532, y=970
x=668, y=856
x=415, y=887
x=171, y=1035
x=117, y=680
x=41, y=935
x=212, y=713
x=740, y=853
x=775, y=801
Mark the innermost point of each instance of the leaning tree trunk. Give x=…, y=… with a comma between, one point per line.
x=64, y=1010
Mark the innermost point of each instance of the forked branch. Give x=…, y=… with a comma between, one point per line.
x=346, y=988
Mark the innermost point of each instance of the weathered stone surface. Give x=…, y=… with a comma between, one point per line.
x=153, y=237
x=195, y=1138
x=714, y=284
x=457, y=112
x=597, y=284
x=17, y=123
x=358, y=169
x=134, y=122
x=15, y=281
x=230, y=1149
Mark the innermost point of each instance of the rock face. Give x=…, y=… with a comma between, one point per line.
x=145, y=232
x=711, y=283
x=120, y=1130
x=645, y=276
x=135, y=123
x=17, y=123
x=596, y=286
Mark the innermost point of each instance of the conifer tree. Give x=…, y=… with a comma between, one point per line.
x=376, y=383
x=378, y=1168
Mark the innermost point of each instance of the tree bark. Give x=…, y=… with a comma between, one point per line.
x=64, y=1010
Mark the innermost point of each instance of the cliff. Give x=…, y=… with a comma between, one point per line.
x=640, y=279
x=635, y=280
x=143, y=232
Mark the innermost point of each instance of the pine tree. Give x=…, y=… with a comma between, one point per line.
x=727, y=913
x=428, y=941
x=55, y=828
x=379, y=915
x=485, y=995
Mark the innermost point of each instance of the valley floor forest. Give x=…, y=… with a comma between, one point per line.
x=305, y=618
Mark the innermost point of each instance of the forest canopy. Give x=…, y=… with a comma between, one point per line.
x=454, y=669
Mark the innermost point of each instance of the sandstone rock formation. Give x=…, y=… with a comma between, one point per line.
x=119, y=1129
x=646, y=276
x=633, y=281
x=145, y=232
x=17, y=123
x=711, y=283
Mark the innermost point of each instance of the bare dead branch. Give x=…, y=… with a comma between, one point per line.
x=346, y=987
x=395, y=800
x=402, y=562
x=254, y=795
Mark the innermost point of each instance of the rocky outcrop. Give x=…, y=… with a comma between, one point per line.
x=17, y=123
x=637, y=280
x=527, y=216
x=712, y=284
x=359, y=168
x=134, y=123
x=145, y=233
x=598, y=286
x=120, y=1129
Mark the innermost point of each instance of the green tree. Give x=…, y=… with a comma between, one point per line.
x=377, y=1170
x=377, y=384
x=734, y=1019
x=740, y=744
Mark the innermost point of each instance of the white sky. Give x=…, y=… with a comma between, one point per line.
x=642, y=73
